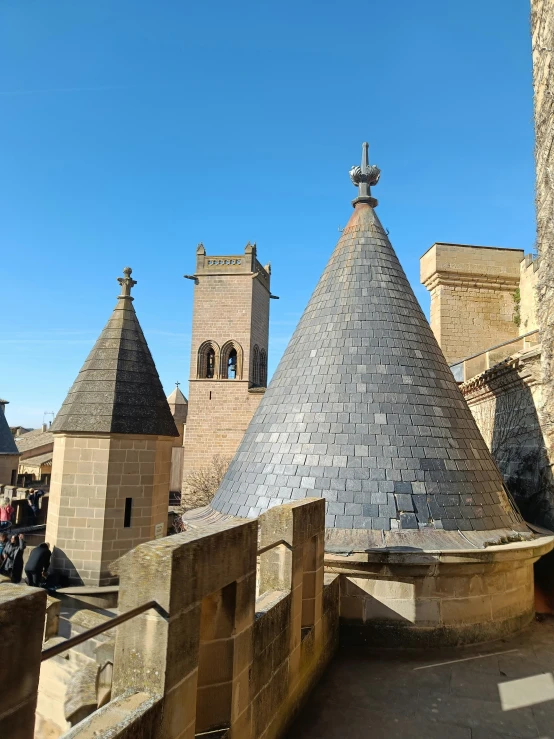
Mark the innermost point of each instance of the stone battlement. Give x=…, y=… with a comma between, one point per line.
x=229, y=264
x=215, y=654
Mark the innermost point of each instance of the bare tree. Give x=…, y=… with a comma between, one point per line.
x=201, y=485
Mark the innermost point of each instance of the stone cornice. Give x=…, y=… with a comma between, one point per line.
x=500, y=378
x=464, y=279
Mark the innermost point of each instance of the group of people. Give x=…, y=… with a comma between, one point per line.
x=11, y=560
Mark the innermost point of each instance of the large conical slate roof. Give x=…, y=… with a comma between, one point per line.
x=118, y=389
x=364, y=411
x=7, y=443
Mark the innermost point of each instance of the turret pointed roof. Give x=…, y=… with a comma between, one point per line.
x=118, y=389
x=178, y=405
x=363, y=409
x=177, y=397
x=7, y=443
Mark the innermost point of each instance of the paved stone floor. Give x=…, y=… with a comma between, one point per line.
x=500, y=690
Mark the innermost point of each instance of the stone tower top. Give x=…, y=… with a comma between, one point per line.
x=232, y=264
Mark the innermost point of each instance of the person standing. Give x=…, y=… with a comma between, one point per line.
x=32, y=500
x=3, y=542
x=12, y=558
x=6, y=513
x=38, y=564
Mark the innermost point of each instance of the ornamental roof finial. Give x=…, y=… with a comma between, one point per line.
x=126, y=283
x=363, y=177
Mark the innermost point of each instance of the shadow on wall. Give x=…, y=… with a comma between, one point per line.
x=517, y=446
x=62, y=570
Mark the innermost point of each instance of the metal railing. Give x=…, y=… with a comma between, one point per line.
x=100, y=629
x=272, y=546
x=111, y=623
x=475, y=364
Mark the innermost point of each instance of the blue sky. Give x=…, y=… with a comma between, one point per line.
x=132, y=130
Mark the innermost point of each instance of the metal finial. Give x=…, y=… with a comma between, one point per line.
x=177, y=383
x=126, y=283
x=365, y=176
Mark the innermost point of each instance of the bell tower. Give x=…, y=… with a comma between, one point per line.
x=228, y=365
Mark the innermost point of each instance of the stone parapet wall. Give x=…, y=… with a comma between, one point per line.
x=432, y=599
x=213, y=656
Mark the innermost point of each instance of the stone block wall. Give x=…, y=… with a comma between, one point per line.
x=92, y=479
x=213, y=656
x=472, y=296
x=219, y=413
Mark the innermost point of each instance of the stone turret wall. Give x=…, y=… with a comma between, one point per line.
x=92, y=478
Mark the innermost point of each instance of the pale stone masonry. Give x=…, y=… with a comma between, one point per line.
x=473, y=296
x=542, y=29
x=231, y=312
x=113, y=439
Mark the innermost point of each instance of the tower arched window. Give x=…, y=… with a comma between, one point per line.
x=232, y=365
x=255, y=372
x=263, y=368
x=208, y=356
x=231, y=361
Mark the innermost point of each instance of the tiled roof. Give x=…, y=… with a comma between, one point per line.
x=177, y=398
x=118, y=389
x=39, y=459
x=33, y=439
x=363, y=410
